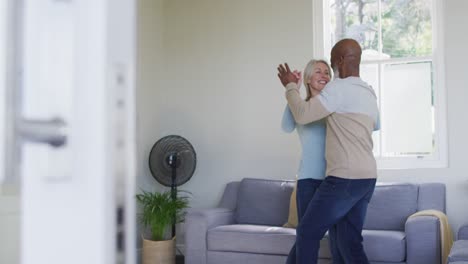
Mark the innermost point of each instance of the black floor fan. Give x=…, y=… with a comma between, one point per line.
x=172, y=162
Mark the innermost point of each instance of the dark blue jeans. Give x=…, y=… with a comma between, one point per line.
x=304, y=193
x=341, y=202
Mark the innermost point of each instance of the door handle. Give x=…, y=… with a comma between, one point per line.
x=51, y=132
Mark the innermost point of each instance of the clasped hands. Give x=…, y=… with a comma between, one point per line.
x=287, y=76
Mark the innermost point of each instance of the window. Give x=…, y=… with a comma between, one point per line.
x=3, y=82
x=403, y=61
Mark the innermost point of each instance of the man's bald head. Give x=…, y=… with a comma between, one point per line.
x=346, y=57
x=347, y=47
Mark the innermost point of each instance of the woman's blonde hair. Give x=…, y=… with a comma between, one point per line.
x=308, y=72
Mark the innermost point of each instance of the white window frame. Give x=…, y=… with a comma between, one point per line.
x=3, y=37
x=9, y=38
x=439, y=158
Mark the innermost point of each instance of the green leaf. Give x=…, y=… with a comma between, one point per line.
x=159, y=211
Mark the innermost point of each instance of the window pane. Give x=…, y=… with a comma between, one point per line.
x=407, y=111
x=357, y=20
x=406, y=28
x=370, y=74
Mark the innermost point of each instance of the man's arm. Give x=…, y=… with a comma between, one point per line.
x=304, y=112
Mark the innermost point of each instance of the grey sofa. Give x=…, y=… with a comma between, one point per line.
x=246, y=227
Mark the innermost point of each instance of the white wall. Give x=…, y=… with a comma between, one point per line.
x=149, y=74
x=208, y=73
x=220, y=89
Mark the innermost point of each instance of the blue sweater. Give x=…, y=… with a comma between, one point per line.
x=312, y=137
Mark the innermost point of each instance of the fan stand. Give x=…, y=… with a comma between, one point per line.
x=172, y=161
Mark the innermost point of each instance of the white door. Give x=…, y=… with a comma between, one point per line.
x=73, y=116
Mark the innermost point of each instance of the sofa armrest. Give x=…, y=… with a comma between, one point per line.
x=423, y=240
x=197, y=224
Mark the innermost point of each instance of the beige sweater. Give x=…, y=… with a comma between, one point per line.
x=350, y=106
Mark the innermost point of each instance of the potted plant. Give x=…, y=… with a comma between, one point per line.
x=159, y=210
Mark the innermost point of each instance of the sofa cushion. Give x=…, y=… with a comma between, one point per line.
x=251, y=239
x=385, y=246
x=391, y=205
x=263, y=202
x=379, y=245
x=431, y=195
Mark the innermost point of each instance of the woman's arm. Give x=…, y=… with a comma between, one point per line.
x=287, y=123
x=377, y=124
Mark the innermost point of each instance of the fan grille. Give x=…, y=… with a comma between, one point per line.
x=186, y=160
